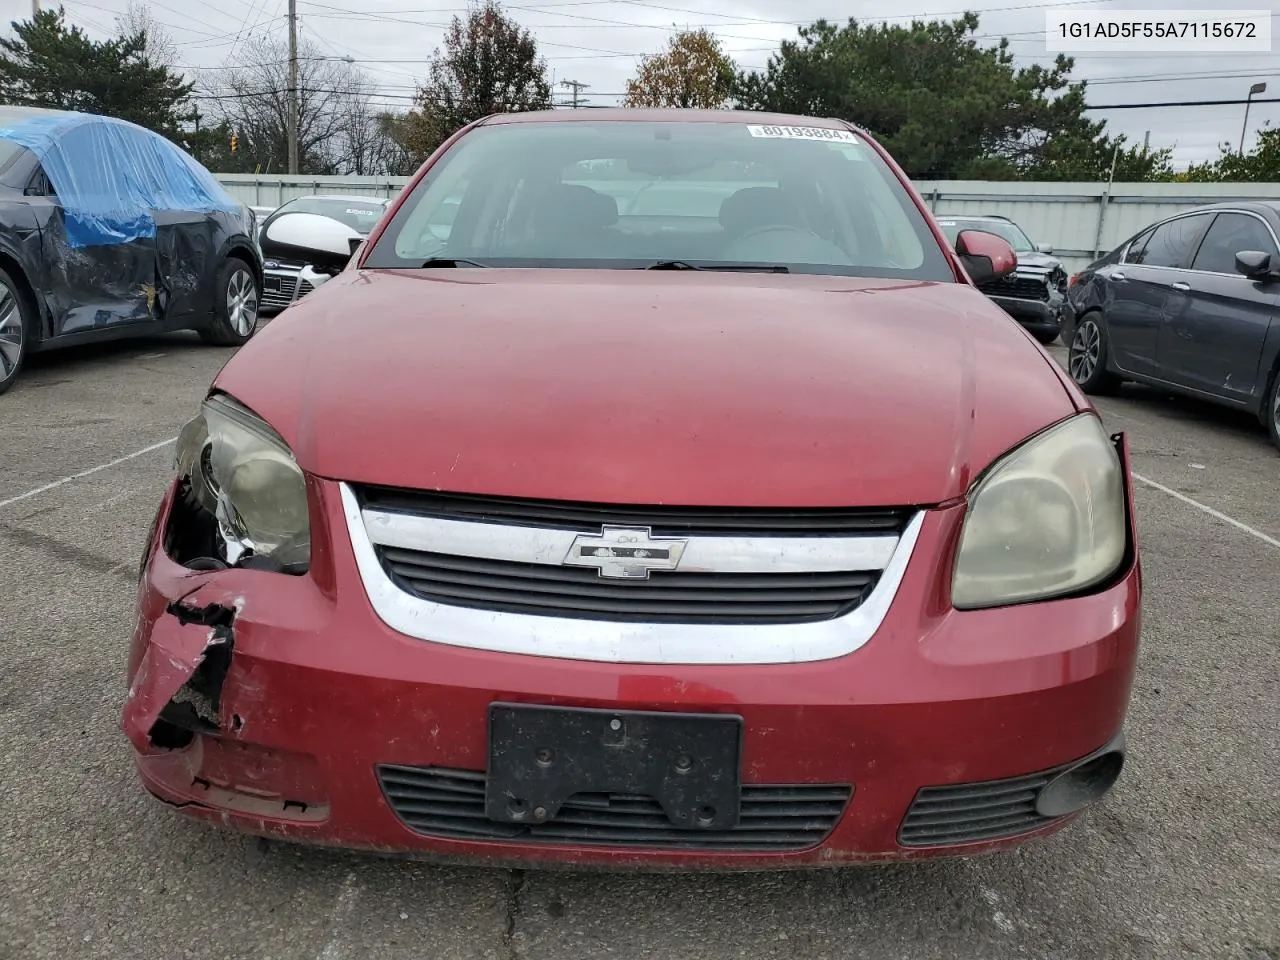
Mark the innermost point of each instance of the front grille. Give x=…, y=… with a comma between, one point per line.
x=305, y=288
x=970, y=812
x=578, y=592
x=664, y=521
x=1021, y=287
x=449, y=804
x=284, y=296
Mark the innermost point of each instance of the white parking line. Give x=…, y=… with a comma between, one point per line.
x=85, y=473
x=1216, y=514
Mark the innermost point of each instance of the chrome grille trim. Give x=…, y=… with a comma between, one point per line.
x=622, y=641
x=279, y=299
x=543, y=545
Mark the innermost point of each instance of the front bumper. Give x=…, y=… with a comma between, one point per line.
x=317, y=695
x=1038, y=316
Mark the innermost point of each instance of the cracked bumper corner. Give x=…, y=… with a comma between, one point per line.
x=174, y=659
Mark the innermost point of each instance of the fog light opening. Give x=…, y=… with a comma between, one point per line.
x=1082, y=785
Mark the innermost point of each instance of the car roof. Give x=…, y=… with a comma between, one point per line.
x=341, y=197
x=10, y=113
x=1271, y=207
x=667, y=115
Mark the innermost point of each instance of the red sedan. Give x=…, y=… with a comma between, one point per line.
x=520, y=540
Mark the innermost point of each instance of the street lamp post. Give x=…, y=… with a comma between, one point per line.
x=1255, y=89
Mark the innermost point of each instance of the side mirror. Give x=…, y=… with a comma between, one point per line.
x=319, y=241
x=1255, y=265
x=355, y=244
x=985, y=256
x=1045, y=247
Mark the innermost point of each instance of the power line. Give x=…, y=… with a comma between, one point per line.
x=419, y=97
x=1181, y=103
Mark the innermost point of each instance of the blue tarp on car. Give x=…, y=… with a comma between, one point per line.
x=110, y=175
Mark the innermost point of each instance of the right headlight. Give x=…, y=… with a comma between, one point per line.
x=1047, y=520
x=242, y=471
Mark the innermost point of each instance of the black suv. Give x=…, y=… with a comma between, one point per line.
x=1033, y=294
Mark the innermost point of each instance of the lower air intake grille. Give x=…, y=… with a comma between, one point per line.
x=971, y=812
x=449, y=804
x=549, y=591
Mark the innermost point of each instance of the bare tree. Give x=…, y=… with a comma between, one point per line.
x=251, y=96
x=366, y=142
x=137, y=18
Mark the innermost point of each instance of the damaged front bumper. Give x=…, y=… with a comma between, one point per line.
x=275, y=704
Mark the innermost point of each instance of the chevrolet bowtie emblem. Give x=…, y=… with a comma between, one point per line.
x=625, y=553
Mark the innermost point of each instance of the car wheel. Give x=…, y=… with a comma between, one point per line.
x=1045, y=337
x=15, y=328
x=1272, y=409
x=235, y=310
x=1087, y=356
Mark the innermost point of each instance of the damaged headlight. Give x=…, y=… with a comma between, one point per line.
x=243, y=473
x=1047, y=520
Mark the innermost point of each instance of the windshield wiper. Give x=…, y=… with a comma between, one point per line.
x=721, y=267
x=451, y=262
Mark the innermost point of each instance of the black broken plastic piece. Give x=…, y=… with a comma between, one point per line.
x=211, y=615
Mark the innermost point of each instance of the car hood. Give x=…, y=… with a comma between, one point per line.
x=683, y=387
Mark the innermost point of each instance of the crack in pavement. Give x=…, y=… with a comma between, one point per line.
x=514, y=890
x=68, y=553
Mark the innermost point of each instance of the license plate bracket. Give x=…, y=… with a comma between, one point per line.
x=540, y=756
x=271, y=283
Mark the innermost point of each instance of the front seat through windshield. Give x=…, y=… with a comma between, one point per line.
x=608, y=194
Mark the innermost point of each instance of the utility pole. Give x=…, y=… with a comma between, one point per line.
x=1146, y=141
x=35, y=8
x=577, y=87
x=293, y=86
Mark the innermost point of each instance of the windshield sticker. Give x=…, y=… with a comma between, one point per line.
x=801, y=133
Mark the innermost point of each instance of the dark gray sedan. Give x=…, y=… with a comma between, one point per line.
x=108, y=230
x=1191, y=304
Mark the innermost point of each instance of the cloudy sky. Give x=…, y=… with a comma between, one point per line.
x=597, y=42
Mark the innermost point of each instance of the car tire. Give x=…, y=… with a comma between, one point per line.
x=1046, y=338
x=1087, y=356
x=17, y=325
x=1271, y=409
x=235, y=310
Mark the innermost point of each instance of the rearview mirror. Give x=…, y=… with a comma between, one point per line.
x=985, y=256
x=1255, y=265
x=319, y=241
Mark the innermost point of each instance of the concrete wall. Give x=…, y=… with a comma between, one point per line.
x=1080, y=220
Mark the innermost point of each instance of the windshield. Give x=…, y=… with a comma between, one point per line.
x=1006, y=230
x=359, y=215
x=627, y=194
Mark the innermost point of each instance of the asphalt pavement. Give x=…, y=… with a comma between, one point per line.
x=1183, y=860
